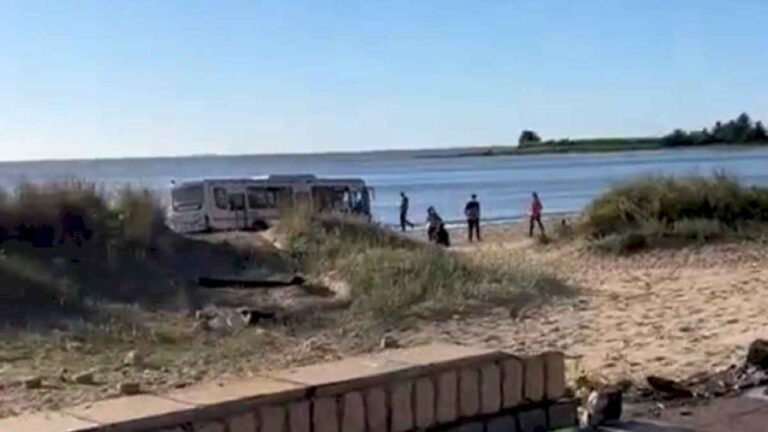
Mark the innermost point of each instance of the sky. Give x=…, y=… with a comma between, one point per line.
x=111, y=78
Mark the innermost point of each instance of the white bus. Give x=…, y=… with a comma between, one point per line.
x=254, y=203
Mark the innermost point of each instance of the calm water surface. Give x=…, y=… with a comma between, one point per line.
x=566, y=182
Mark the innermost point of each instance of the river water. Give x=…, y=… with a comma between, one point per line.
x=565, y=182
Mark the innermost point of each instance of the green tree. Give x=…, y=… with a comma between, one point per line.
x=717, y=132
x=677, y=138
x=742, y=128
x=528, y=137
x=757, y=134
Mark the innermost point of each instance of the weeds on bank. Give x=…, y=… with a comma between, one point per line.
x=392, y=276
x=658, y=210
x=54, y=237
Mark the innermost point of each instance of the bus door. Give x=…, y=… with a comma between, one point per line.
x=238, y=209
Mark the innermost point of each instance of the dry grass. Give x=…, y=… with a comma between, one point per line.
x=101, y=342
x=61, y=241
x=131, y=296
x=392, y=277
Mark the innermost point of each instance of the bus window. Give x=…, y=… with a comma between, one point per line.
x=329, y=198
x=237, y=202
x=188, y=198
x=220, y=198
x=267, y=198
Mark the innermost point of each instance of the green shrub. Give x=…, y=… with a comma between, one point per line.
x=26, y=281
x=141, y=217
x=392, y=276
x=74, y=229
x=699, y=207
x=700, y=230
x=622, y=244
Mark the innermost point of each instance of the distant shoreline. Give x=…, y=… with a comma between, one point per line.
x=585, y=146
x=598, y=145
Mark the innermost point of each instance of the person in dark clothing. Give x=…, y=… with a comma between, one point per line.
x=404, y=223
x=441, y=236
x=535, y=214
x=472, y=212
x=434, y=222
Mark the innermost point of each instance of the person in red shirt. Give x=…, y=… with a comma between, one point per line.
x=535, y=214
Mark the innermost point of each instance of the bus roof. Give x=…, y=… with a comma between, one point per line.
x=282, y=179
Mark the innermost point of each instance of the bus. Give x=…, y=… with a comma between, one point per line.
x=255, y=203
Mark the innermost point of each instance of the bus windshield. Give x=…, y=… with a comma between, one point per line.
x=188, y=198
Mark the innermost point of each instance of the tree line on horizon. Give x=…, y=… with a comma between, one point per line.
x=741, y=130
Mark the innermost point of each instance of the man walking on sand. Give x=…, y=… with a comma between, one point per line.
x=404, y=212
x=535, y=214
x=472, y=212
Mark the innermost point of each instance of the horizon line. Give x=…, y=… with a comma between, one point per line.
x=305, y=153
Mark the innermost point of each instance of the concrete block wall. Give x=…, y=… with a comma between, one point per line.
x=436, y=387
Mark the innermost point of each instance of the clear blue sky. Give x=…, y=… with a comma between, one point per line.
x=114, y=78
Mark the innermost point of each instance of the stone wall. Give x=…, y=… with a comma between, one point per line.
x=435, y=387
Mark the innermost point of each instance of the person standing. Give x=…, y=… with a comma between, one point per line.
x=535, y=214
x=472, y=212
x=404, y=212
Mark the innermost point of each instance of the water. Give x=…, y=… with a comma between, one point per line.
x=565, y=182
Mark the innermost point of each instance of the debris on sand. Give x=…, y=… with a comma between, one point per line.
x=602, y=407
x=84, y=378
x=220, y=319
x=134, y=358
x=668, y=388
x=389, y=342
x=128, y=388
x=32, y=383
x=758, y=354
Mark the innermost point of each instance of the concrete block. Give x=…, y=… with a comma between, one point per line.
x=439, y=357
x=401, y=405
x=474, y=426
x=425, y=402
x=354, y=373
x=512, y=382
x=447, y=407
x=505, y=423
x=47, y=421
x=554, y=371
x=376, y=410
x=243, y=423
x=210, y=426
x=532, y=420
x=534, y=378
x=325, y=415
x=272, y=418
x=225, y=399
x=490, y=389
x=135, y=412
x=469, y=392
x=562, y=415
x=299, y=417
x=353, y=413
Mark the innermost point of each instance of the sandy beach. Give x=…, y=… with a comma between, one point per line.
x=673, y=313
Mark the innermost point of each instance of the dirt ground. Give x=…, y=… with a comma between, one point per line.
x=673, y=313
x=667, y=312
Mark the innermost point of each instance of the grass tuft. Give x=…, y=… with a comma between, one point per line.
x=392, y=276
x=692, y=208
